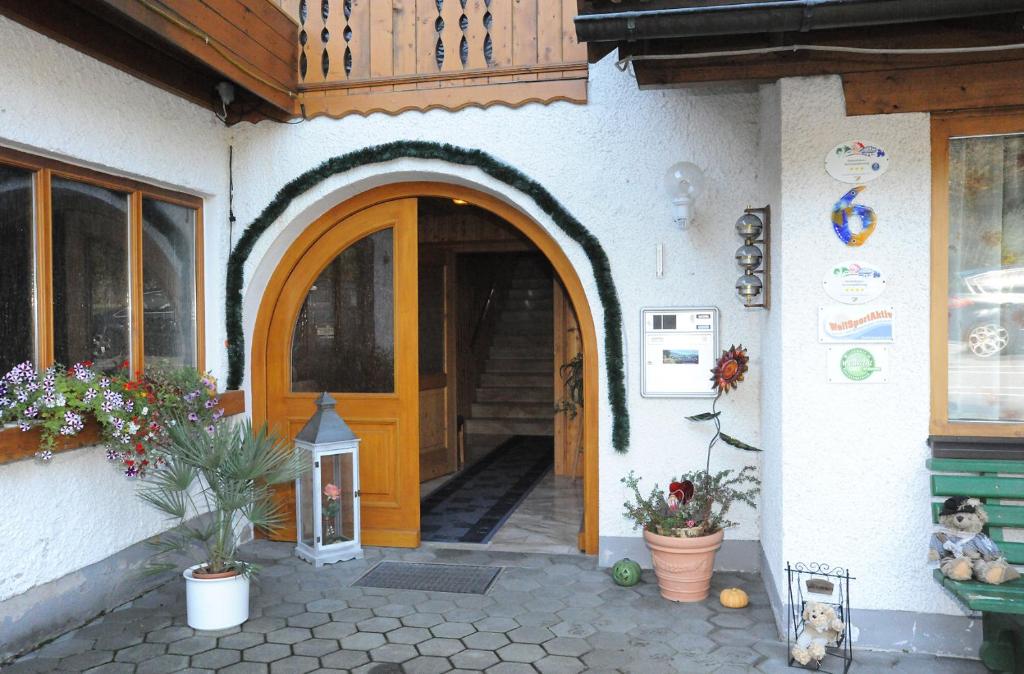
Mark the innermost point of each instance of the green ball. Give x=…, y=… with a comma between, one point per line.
x=626, y=572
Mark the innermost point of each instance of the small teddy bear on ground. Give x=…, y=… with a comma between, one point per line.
x=821, y=628
x=962, y=550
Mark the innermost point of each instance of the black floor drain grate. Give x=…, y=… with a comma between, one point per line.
x=460, y=578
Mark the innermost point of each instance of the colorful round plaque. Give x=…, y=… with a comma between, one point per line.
x=856, y=162
x=853, y=282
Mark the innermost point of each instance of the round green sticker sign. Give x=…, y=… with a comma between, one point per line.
x=857, y=364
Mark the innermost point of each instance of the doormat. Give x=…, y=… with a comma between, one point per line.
x=472, y=506
x=460, y=578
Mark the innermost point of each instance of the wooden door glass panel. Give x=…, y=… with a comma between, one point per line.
x=986, y=279
x=91, y=316
x=169, y=283
x=344, y=336
x=432, y=312
x=17, y=276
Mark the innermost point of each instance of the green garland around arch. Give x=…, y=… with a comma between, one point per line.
x=454, y=155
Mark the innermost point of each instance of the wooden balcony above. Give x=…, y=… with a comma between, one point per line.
x=184, y=46
x=362, y=56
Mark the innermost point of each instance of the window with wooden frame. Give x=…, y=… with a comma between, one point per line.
x=97, y=268
x=977, y=343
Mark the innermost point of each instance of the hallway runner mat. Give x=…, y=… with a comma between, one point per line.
x=472, y=506
x=461, y=578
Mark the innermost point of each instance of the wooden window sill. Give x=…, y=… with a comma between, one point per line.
x=16, y=445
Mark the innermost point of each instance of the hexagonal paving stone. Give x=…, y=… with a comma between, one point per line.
x=326, y=605
x=140, y=652
x=367, y=601
x=396, y=653
x=735, y=620
x=511, y=668
x=607, y=659
x=108, y=668
x=362, y=641
x=284, y=610
x=289, y=635
x=378, y=624
x=216, y=658
x=736, y=655
x=334, y=630
x=241, y=640
x=426, y=664
x=486, y=641
x=408, y=635
x=474, y=659
x=168, y=634
x=263, y=624
x=464, y=615
x=452, y=630
x=531, y=635
x=308, y=619
x=571, y=646
x=345, y=659
x=351, y=615
x=496, y=624
x=521, y=653
x=440, y=647
x=192, y=645
x=435, y=606
x=245, y=668
x=394, y=610
x=295, y=664
x=559, y=664
x=162, y=664
x=315, y=647
x=535, y=619
x=114, y=642
x=266, y=653
x=422, y=620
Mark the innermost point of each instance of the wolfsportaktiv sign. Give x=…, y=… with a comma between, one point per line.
x=856, y=324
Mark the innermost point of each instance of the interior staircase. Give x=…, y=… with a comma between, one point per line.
x=515, y=391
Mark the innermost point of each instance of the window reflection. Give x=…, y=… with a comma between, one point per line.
x=169, y=290
x=17, y=306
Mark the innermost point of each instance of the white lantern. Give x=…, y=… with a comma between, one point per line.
x=327, y=497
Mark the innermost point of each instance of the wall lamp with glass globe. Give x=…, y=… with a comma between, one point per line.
x=684, y=182
x=754, y=257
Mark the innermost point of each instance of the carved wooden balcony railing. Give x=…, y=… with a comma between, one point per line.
x=366, y=56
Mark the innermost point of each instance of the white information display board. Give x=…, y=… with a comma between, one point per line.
x=680, y=345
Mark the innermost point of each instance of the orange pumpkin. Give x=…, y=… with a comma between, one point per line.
x=733, y=597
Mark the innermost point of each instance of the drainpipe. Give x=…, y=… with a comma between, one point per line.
x=775, y=16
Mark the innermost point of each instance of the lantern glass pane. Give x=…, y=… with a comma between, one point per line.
x=306, y=532
x=338, y=498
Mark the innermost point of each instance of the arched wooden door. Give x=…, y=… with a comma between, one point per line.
x=346, y=322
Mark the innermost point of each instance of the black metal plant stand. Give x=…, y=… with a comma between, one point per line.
x=821, y=583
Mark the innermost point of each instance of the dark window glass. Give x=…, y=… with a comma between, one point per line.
x=168, y=283
x=431, y=311
x=91, y=320
x=17, y=308
x=344, y=337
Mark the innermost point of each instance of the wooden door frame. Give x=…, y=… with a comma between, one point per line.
x=513, y=216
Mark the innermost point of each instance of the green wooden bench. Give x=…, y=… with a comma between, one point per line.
x=1002, y=606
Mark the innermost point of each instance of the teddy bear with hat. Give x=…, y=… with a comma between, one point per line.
x=962, y=550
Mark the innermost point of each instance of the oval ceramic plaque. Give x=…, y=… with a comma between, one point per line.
x=854, y=282
x=856, y=162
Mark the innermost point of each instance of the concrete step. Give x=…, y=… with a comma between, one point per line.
x=493, y=426
x=479, y=445
x=509, y=328
x=528, y=316
x=502, y=341
x=527, y=283
x=540, y=304
x=516, y=410
x=529, y=293
x=531, y=365
x=506, y=379
x=534, y=394
x=527, y=351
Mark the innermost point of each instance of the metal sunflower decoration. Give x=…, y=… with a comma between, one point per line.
x=725, y=376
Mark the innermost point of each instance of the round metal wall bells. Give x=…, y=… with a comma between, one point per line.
x=754, y=228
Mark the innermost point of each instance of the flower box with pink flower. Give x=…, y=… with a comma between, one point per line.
x=327, y=498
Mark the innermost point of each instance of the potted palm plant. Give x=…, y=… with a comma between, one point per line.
x=213, y=481
x=684, y=526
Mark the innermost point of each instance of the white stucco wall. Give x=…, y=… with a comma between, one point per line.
x=605, y=163
x=56, y=102
x=854, y=487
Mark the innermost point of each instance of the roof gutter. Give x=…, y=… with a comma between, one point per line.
x=775, y=16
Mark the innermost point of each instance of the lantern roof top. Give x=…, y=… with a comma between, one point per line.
x=325, y=425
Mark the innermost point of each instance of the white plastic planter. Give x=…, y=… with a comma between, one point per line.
x=218, y=603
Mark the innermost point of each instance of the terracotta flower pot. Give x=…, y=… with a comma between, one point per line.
x=684, y=565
